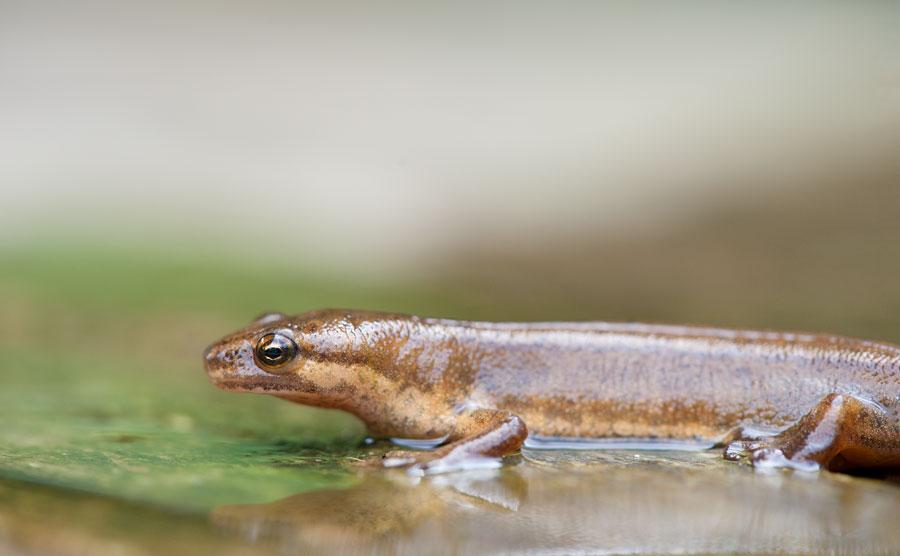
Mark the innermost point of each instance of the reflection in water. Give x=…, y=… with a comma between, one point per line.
x=584, y=502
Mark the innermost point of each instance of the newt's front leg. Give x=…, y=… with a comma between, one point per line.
x=840, y=432
x=480, y=433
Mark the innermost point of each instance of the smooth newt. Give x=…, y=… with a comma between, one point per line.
x=822, y=400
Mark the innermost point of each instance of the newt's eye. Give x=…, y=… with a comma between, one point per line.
x=274, y=350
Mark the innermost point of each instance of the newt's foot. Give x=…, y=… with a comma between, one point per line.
x=394, y=458
x=767, y=452
x=436, y=461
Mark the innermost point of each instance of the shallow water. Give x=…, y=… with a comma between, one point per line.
x=542, y=502
x=560, y=502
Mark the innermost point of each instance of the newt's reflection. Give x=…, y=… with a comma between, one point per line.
x=569, y=507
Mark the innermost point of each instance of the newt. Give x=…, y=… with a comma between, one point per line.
x=800, y=400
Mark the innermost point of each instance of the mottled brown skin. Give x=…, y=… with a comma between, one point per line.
x=793, y=399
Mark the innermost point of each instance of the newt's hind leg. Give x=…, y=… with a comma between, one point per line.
x=840, y=432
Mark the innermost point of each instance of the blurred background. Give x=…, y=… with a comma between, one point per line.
x=551, y=159
x=168, y=170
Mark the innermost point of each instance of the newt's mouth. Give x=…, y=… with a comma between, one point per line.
x=259, y=385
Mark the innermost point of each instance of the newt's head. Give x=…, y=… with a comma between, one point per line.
x=358, y=361
x=314, y=358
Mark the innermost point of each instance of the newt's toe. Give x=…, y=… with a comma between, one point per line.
x=737, y=450
x=397, y=461
x=768, y=452
x=774, y=457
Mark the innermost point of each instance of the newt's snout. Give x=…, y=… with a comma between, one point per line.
x=228, y=362
x=209, y=355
